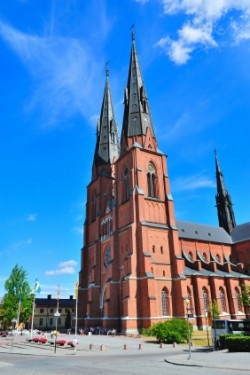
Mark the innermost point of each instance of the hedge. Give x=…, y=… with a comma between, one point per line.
x=237, y=343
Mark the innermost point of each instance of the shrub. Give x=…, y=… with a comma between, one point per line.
x=174, y=330
x=235, y=343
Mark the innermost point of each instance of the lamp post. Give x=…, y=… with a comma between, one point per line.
x=188, y=315
x=57, y=314
x=206, y=315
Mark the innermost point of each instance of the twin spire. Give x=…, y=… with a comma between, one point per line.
x=107, y=145
x=223, y=201
x=136, y=120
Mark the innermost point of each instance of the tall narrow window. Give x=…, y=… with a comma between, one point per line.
x=164, y=302
x=222, y=300
x=151, y=181
x=238, y=300
x=126, y=185
x=205, y=299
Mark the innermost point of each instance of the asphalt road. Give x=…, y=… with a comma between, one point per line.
x=140, y=357
x=101, y=364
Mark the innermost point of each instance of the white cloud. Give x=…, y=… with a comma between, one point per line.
x=63, y=268
x=141, y=1
x=78, y=230
x=195, y=182
x=68, y=263
x=201, y=25
x=65, y=71
x=32, y=217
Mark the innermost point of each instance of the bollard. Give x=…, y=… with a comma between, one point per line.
x=160, y=344
x=125, y=347
x=91, y=346
x=102, y=347
x=174, y=344
x=140, y=346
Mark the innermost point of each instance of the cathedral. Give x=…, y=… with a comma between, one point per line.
x=139, y=265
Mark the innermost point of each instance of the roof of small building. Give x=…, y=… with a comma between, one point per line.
x=241, y=233
x=52, y=302
x=203, y=232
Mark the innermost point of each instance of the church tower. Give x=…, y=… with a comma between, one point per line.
x=223, y=202
x=130, y=268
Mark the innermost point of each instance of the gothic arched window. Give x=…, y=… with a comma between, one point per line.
x=164, y=302
x=205, y=299
x=126, y=185
x=222, y=300
x=238, y=299
x=151, y=179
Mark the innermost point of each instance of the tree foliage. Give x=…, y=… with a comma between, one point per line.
x=174, y=330
x=17, y=302
x=214, y=310
x=245, y=297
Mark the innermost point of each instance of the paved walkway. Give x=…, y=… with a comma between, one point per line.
x=122, y=345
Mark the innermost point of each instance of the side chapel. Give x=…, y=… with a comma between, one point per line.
x=139, y=265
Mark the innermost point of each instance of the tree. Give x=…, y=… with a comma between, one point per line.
x=214, y=311
x=245, y=297
x=17, y=302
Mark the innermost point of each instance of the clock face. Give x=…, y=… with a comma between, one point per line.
x=107, y=257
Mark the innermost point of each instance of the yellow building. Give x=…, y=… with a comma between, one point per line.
x=50, y=313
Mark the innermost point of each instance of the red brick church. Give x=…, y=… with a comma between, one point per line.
x=140, y=266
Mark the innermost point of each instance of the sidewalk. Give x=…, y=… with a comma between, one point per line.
x=123, y=345
x=222, y=359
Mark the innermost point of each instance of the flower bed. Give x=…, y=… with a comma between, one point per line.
x=61, y=342
x=43, y=340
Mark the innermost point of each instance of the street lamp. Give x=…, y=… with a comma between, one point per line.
x=188, y=315
x=206, y=316
x=57, y=314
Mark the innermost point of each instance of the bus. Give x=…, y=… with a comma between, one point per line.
x=230, y=326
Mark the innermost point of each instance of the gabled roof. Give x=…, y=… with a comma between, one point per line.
x=241, y=233
x=203, y=232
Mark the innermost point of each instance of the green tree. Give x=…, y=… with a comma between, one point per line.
x=214, y=311
x=17, y=302
x=245, y=297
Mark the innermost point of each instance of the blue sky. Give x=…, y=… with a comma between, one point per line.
x=194, y=57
